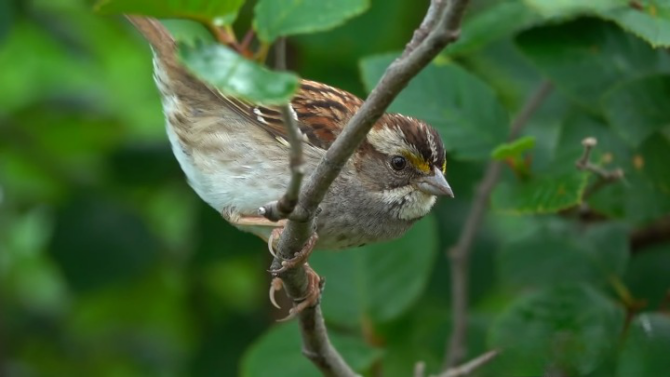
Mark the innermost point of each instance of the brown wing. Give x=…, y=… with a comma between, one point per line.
x=321, y=110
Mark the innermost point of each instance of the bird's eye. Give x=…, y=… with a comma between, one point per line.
x=398, y=162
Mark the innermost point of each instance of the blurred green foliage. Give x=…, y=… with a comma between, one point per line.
x=111, y=266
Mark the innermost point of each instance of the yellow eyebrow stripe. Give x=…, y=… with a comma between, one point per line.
x=444, y=166
x=417, y=162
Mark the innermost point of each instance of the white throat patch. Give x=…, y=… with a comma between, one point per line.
x=414, y=203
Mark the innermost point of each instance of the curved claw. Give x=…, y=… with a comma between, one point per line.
x=315, y=285
x=274, y=234
x=275, y=286
x=291, y=314
x=281, y=269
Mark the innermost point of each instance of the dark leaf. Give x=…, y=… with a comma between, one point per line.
x=638, y=108
x=570, y=329
x=645, y=353
x=585, y=58
x=379, y=281
x=450, y=99
x=220, y=12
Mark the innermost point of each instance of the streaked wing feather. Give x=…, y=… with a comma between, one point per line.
x=321, y=111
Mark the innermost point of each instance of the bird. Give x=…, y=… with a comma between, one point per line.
x=234, y=154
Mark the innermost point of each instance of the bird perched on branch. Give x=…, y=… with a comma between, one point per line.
x=235, y=155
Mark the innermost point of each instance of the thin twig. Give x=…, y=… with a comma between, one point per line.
x=283, y=207
x=245, y=45
x=605, y=176
x=435, y=10
x=301, y=222
x=459, y=253
x=469, y=367
x=224, y=36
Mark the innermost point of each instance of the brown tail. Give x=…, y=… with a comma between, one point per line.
x=171, y=76
x=158, y=36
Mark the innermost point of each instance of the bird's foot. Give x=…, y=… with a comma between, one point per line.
x=299, y=258
x=314, y=281
x=311, y=297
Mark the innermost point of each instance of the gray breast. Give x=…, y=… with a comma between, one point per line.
x=353, y=217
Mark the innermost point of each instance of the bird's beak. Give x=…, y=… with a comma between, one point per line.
x=435, y=184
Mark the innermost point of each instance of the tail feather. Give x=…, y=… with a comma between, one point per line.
x=162, y=42
x=172, y=79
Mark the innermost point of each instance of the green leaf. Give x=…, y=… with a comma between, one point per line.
x=220, y=12
x=188, y=31
x=493, y=23
x=642, y=195
x=645, y=352
x=278, y=18
x=564, y=8
x=451, y=100
x=382, y=280
x=608, y=247
x=570, y=328
x=368, y=34
x=638, y=108
x=645, y=190
x=236, y=76
x=651, y=23
x=587, y=57
x=514, y=149
x=540, y=194
x=647, y=277
x=278, y=354
x=557, y=251
x=420, y=335
x=511, y=75
x=652, y=161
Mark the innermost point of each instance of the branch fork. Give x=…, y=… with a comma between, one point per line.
x=605, y=176
x=584, y=163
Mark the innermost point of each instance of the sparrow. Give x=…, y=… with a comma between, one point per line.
x=235, y=154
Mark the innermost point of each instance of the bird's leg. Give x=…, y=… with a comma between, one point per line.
x=299, y=258
x=311, y=298
x=314, y=281
x=249, y=220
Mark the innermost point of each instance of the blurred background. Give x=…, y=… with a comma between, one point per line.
x=111, y=266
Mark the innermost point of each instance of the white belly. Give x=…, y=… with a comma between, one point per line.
x=238, y=180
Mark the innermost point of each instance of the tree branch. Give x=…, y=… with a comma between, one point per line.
x=435, y=10
x=469, y=367
x=459, y=253
x=301, y=222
